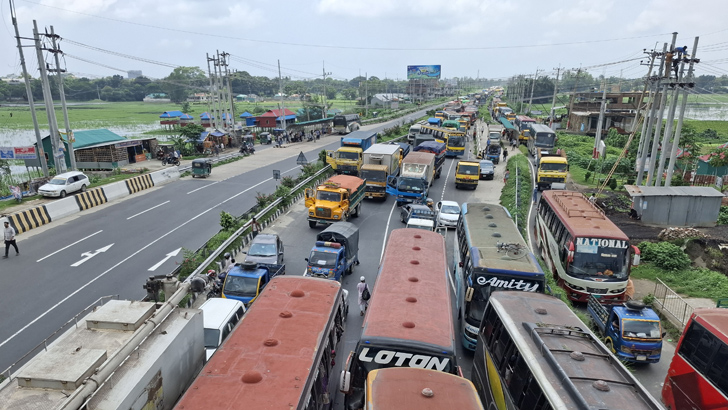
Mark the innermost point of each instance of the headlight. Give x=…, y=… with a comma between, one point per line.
x=310, y=213
x=336, y=216
x=655, y=352
x=626, y=349
x=621, y=290
x=576, y=287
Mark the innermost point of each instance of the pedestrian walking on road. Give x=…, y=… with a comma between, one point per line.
x=505, y=155
x=506, y=175
x=255, y=226
x=364, y=295
x=9, y=236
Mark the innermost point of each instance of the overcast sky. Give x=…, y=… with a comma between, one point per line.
x=492, y=39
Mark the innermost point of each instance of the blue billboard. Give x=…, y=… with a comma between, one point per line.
x=418, y=72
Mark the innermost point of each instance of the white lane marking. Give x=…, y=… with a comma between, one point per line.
x=165, y=259
x=447, y=178
x=452, y=284
x=203, y=187
x=66, y=247
x=386, y=230
x=89, y=255
x=102, y=274
x=147, y=210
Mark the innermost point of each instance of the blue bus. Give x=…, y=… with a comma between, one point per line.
x=492, y=256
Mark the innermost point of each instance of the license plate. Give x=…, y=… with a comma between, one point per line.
x=641, y=358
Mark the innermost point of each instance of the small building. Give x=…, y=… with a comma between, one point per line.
x=157, y=98
x=274, y=119
x=249, y=119
x=170, y=118
x=620, y=112
x=386, y=99
x=186, y=119
x=695, y=206
x=199, y=98
x=206, y=119
x=704, y=167
x=100, y=149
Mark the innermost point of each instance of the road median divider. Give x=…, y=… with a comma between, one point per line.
x=90, y=198
x=165, y=175
x=139, y=183
x=28, y=219
x=115, y=191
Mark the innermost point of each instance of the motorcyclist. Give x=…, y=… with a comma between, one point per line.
x=430, y=204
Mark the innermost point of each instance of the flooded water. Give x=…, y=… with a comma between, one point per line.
x=19, y=138
x=707, y=112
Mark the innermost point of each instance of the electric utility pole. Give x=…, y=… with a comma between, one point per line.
x=553, y=98
x=324, y=113
x=647, y=123
x=29, y=93
x=573, y=96
x=685, y=84
x=366, y=94
x=600, y=122
x=231, y=102
x=69, y=134
x=48, y=100
x=280, y=92
x=210, y=104
x=533, y=86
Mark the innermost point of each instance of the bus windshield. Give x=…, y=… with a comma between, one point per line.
x=411, y=184
x=241, y=286
x=373, y=175
x=328, y=196
x=641, y=329
x=455, y=141
x=354, y=156
x=600, y=262
x=545, y=166
x=545, y=140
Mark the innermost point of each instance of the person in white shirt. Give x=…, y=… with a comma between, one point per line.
x=9, y=236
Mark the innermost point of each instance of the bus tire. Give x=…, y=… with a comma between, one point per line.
x=311, y=224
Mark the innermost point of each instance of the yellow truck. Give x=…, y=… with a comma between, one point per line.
x=553, y=169
x=348, y=158
x=336, y=200
x=467, y=174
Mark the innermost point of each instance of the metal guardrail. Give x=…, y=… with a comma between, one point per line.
x=216, y=253
x=44, y=344
x=672, y=304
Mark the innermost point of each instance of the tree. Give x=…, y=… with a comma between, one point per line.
x=183, y=81
x=192, y=132
x=718, y=158
x=331, y=93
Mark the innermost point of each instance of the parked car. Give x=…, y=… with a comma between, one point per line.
x=219, y=318
x=64, y=184
x=448, y=213
x=266, y=248
x=487, y=169
x=415, y=211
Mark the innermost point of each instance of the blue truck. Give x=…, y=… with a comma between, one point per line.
x=414, y=180
x=246, y=280
x=631, y=330
x=335, y=253
x=437, y=148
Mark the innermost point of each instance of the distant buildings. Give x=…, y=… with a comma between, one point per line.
x=157, y=98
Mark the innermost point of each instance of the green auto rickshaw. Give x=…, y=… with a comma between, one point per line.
x=201, y=167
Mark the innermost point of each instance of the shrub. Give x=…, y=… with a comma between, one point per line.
x=723, y=216
x=264, y=199
x=664, y=255
x=288, y=182
x=612, y=183
x=227, y=222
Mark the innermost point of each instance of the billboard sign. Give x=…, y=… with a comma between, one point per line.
x=418, y=72
x=17, y=153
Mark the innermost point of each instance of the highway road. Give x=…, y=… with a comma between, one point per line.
x=67, y=265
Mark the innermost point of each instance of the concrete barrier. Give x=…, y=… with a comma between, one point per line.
x=116, y=190
x=165, y=175
x=139, y=183
x=24, y=221
x=90, y=198
x=62, y=208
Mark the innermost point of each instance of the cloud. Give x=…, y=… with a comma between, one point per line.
x=583, y=12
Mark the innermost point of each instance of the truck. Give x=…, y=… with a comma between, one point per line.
x=631, y=330
x=467, y=174
x=436, y=148
x=552, y=170
x=246, y=280
x=335, y=252
x=493, y=152
x=415, y=178
x=380, y=162
x=348, y=158
x=336, y=200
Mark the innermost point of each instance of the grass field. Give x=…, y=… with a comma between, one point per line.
x=99, y=114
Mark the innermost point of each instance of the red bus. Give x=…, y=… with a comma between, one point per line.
x=586, y=252
x=409, y=322
x=281, y=354
x=407, y=388
x=698, y=374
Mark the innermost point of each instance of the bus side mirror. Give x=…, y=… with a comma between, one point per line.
x=307, y=192
x=345, y=377
x=469, y=294
x=664, y=334
x=636, y=256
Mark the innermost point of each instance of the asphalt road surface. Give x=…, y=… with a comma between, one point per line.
x=111, y=250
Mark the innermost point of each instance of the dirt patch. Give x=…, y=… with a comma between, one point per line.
x=709, y=253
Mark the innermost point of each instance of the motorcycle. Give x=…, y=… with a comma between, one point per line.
x=247, y=150
x=170, y=160
x=160, y=155
x=215, y=285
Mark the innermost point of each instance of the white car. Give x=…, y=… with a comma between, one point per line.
x=64, y=184
x=448, y=213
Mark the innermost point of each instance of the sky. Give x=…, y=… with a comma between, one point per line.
x=468, y=38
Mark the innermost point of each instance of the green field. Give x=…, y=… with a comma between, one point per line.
x=101, y=114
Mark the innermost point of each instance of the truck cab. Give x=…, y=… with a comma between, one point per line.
x=335, y=200
x=467, y=174
x=631, y=330
x=552, y=170
x=245, y=281
x=335, y=252
x=348, y=158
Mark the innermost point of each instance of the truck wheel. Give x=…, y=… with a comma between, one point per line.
x=610, y=345
x=311, y=224
x=357, y=210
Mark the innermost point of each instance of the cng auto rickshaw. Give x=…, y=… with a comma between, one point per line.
x=265, y=138
x=201, y=167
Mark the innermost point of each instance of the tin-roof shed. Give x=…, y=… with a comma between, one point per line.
x=676, y=206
